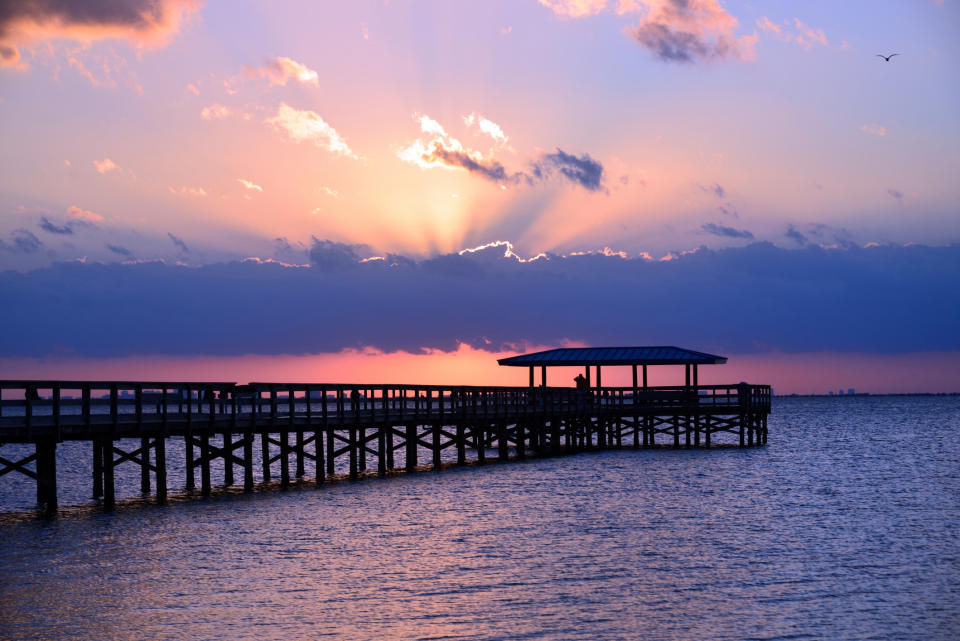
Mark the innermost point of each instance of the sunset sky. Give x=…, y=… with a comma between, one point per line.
x=155, y=145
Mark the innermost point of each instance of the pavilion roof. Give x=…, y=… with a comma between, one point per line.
x=655, y=355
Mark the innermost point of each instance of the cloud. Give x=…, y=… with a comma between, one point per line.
x=813, y=299
x=280, y=71
x=330, y=256
x=439, y=149
x=119, y=250
x=308, y=126
x=142, y=23
x=250, y=185
x=874, y=130
x=796, y=236
x=581, y=170
x=196, y=192
x=192, y=88
x=178, y=242
x=575, y=8
x=21, y=241
x=106, y=166
x=84, y=215
x=689, y=30
x=215, y=112
x=51, y=228
x=794, y=31
x=726, y=232
x=897, y=195
x=728, y=210
x=487, y=127
x=716, y=189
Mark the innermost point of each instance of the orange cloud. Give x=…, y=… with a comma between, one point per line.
x=575, y=8
x=215, y=112
x=798, y=33
x=142, y=23
x=106, y=166
x=83, y=214
x=280, y=71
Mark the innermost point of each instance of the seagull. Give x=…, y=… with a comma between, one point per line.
x=887, y=58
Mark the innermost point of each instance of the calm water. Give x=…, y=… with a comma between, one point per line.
x=844, y=527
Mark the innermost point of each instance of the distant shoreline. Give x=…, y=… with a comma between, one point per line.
x=866, y=394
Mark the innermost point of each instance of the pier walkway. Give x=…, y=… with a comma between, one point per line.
x=357, y=424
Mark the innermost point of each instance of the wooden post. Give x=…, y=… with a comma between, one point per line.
x=109, y=490
x=686, y=371
x=461, y=444
x=97, y=468
x=47, y=474
x=144, y=464
x=543, y=375
x=382, y=450
x=265, y=455
x=411, y=446
x=331, y=450
x=503, y=447
x=362, y=448
x=531, y=376
x=479, y=442
x=436, y=447
x=676, y=432
x=205, y=463
x=248, y=461
x=599, y=383
x=284, y=459
x=687, y=430
x=228, y=459
x=586, y=374
x=390, y=463
x=634, y=377
x=300, y=471
x=644, y=377
x=160, y=447
x=695, y=378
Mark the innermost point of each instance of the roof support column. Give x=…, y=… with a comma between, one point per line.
x=686, y=370
x=695, y=379
x=634, y=377
x=644, y=376
x=531, y=376
x=543, y=375
x=586, y=372
x=598, y=377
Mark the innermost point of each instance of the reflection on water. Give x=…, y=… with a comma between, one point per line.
x=844, y=527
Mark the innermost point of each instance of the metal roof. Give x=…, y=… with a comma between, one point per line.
x=658, y=355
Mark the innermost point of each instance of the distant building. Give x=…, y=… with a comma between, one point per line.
x=830, y=392
x=840, y=392
x=851, y=391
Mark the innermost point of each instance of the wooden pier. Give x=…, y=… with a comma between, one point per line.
x=387, y=427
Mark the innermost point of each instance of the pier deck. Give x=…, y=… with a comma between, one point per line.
x=351, y=422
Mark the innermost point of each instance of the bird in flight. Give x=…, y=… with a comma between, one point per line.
x=887, y=58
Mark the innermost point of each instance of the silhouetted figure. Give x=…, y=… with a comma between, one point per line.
x=580, y=381
x=887, y=58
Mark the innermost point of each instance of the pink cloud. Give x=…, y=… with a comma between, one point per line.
x=215, y=112
x=106, y=166
x=794, y=31
x=280, y=71
x=875, y=130
x=142, y=23
x=83, y=214
x=308, y=126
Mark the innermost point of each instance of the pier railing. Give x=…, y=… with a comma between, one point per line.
x=77, y=408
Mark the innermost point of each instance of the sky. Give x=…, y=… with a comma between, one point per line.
x=435, y=180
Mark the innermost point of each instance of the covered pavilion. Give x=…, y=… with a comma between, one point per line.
x=614, y=356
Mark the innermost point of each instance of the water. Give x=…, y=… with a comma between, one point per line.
x=844, y=527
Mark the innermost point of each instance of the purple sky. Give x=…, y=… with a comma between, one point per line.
x=740, y=178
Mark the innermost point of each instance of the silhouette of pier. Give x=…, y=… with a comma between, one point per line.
x=388, y=427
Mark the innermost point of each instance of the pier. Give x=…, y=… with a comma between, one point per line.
x=389, y=428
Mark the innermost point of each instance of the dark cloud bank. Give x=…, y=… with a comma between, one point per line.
x=755, y=298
